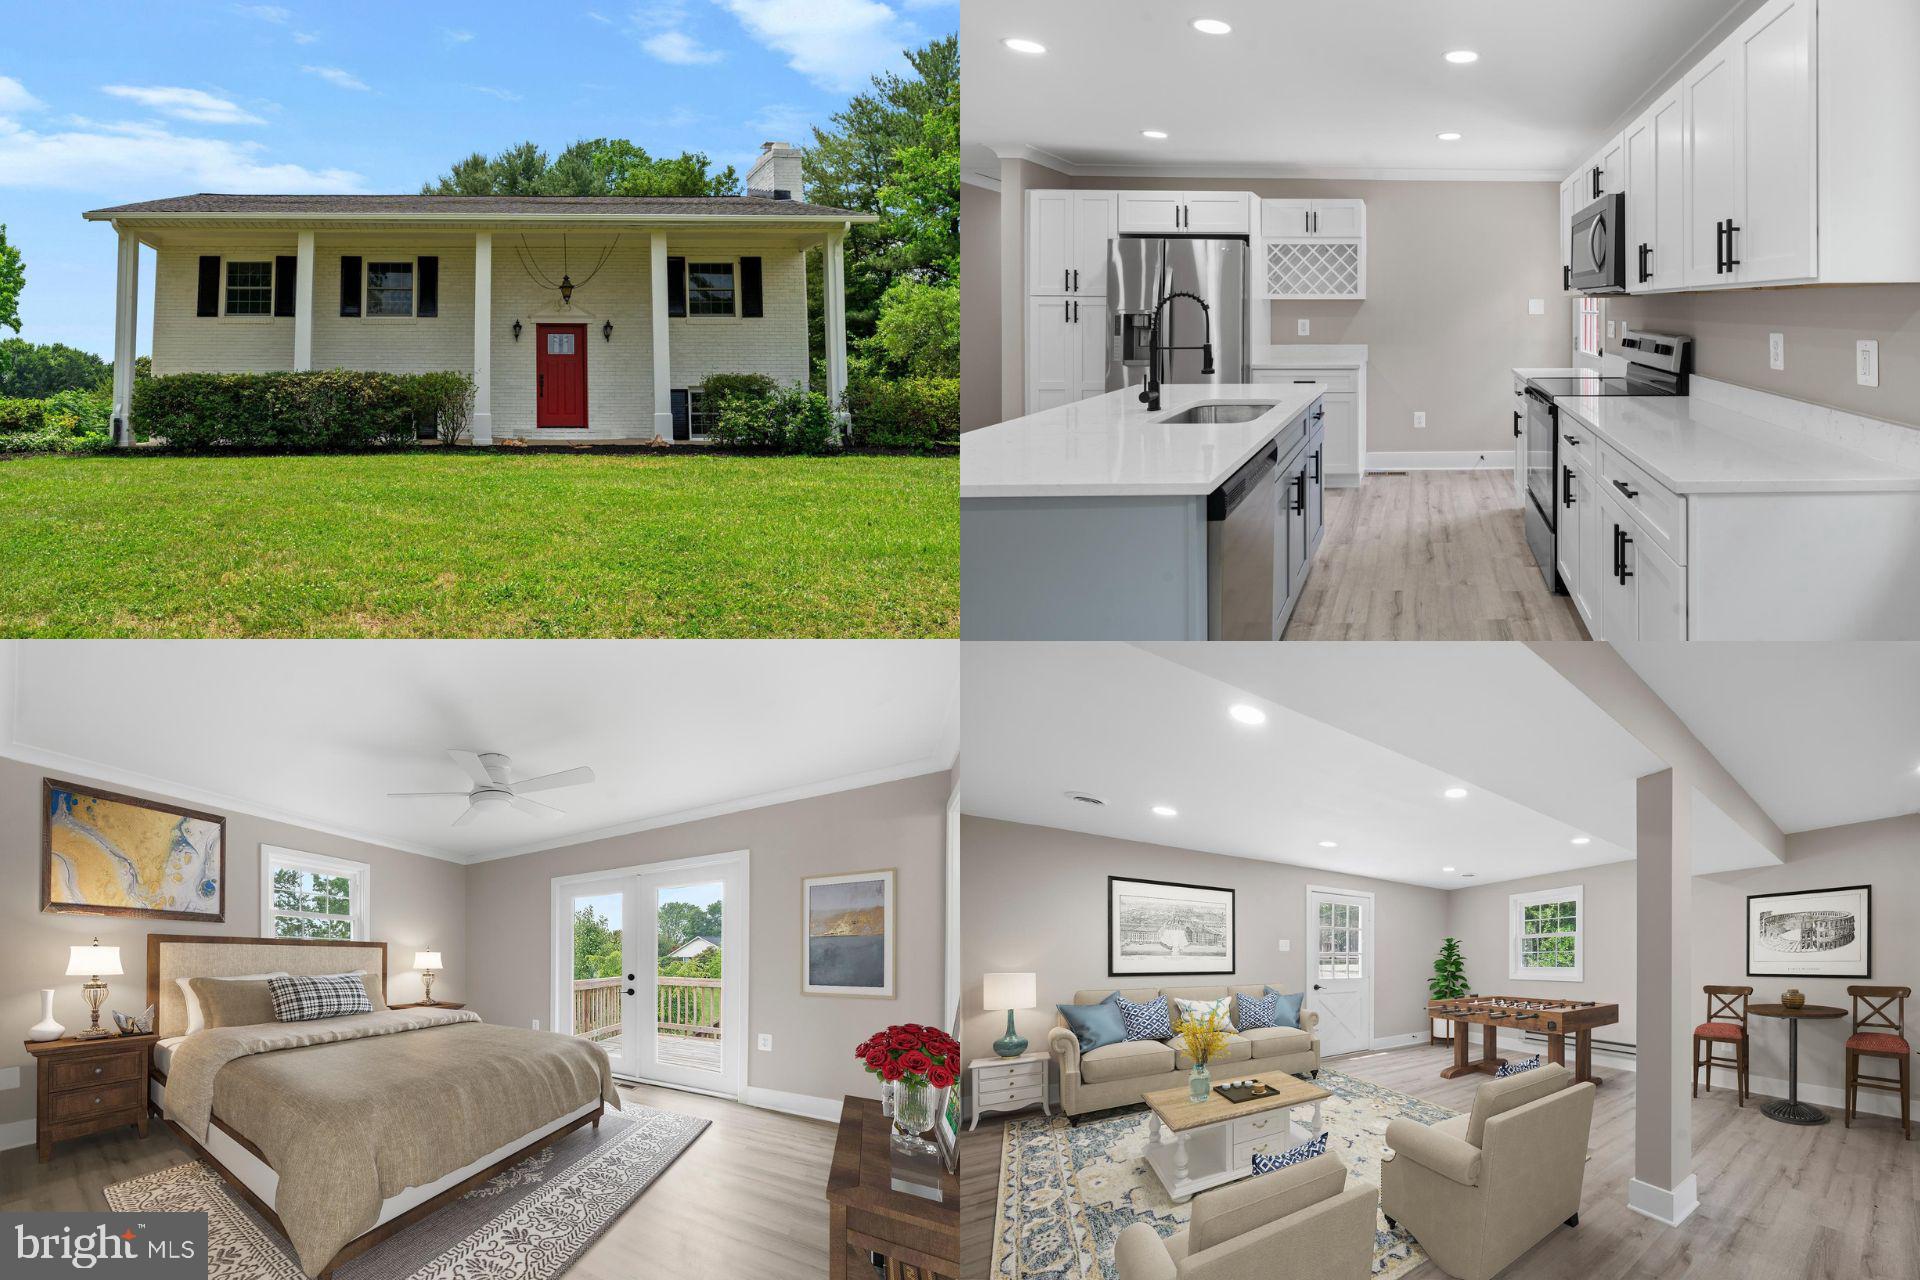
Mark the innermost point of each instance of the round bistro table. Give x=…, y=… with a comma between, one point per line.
x=1794, y=1111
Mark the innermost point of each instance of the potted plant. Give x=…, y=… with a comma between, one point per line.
x=916, y=1065
x=1449, y=982
x=1202, y=1038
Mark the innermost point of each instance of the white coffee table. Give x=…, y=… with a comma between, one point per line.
x=1192, y=1147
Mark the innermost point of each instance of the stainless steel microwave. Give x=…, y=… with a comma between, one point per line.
x=1599, y=234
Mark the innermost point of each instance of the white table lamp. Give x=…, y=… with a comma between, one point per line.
x=90, y=962
x=1009, y=991
x=428, y=963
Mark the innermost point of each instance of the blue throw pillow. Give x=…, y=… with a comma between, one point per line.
x=1096, y=1024
x=1257, y=1011
x=1286, y=1008
x=1149, y=1021
x=1515, y=1068
x=1286, y=1159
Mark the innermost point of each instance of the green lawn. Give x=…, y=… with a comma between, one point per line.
x=480, y=544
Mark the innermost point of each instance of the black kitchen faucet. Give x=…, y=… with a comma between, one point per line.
x=1150, y=394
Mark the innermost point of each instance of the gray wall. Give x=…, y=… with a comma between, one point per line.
x=418, y=904
x=897, y=824
x=1035, y=899
x=979, y=306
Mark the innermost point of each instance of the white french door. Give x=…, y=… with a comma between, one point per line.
x=1340, y=968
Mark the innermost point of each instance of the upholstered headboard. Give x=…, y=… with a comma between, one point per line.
x=195, y=955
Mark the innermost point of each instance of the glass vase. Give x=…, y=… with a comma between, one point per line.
x=1199, y=1083
x=915, y=1103
x=886, y=1098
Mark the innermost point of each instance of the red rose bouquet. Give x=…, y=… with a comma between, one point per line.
x=913, y=1063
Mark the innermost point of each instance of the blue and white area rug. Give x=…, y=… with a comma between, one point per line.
x=1068, y=1191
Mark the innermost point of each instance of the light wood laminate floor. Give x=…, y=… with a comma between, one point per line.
x=748, y=1198
x=1777, y=1202
x=1429, y=555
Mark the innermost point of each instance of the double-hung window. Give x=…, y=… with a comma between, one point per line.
x=310, y=895
x=249, y=288
x=710, y=289
x=1545, y=935
x=390, y=288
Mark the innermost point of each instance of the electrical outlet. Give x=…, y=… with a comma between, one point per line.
x=1419, y=419
x=1306, y=327
x=1776, y=351
x=536, y=1024
x=1286, y=944
x=1536, y=306
x=765, y=1042
x=1609, y=331
x=1866, y=361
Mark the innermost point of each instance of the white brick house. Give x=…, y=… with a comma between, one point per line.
x=553, y=303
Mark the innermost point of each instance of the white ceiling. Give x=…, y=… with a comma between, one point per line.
x=1820, y=735
x=1341, y=88
x=317, y=732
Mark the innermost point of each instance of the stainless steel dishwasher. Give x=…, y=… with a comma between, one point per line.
x=1242, y=518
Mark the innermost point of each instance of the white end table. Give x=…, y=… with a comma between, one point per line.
x=1008, y=1084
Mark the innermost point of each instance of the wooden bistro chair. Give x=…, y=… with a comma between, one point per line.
x=1880, y=1031
x=1726, y=1024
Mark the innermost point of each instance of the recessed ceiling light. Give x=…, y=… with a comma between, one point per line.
x=1449, y=137
x=1583, y=839
x=1166, y=811
x=1247, y=715
x=1463, y=56
x=1019, y=45
x=1446, y=870
x=1329, y=844
x=1211, y=26
x=1455, y=793
x=1152, y=133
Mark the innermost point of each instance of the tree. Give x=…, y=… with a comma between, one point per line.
x=682, y=922
x=13, y=279
x=620, y=168
x=590, y=167
x=919, y=328
x=34, y=371
x=596, y=945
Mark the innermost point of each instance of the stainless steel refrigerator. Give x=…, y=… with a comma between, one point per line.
x=1143, y=270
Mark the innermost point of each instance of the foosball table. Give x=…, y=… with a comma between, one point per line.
x=1554, y=1019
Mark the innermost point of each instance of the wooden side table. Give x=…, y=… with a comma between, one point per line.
x=869, y=1220
x=1794, y=1111
x=89, y=1086
x=1008, y=1084
x=428, y=1004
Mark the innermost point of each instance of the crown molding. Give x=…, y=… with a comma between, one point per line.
x=1209, y=169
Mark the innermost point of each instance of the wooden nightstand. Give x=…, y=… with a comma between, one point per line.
x=1008, y=1084
x=422, y=1004
x=88, y=1086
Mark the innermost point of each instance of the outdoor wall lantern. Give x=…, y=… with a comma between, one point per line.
x=566, y=291
x=516, y=331
x=606, y=331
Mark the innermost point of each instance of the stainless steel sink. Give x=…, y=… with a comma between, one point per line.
x=1212, y=411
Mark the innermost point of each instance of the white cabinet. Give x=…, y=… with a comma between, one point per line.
x=1643, y=596
x=1066, y=351
x=1067, y=235
x=1313, y=219
x=1575, y=537
x=1226, y=213
x=1222, y=213
x=1343, y=419
x=1151, y=212
x=1710, y=105
x=1569, y=205
x=1313, y=249
x=1656, y=211
x=1605, y=174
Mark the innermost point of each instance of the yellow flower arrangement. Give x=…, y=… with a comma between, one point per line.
x=1202, y=1038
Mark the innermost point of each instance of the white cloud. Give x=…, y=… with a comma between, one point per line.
x=265, y=12
x=457, y=37
x=505, y=95
x=599, y=17
x=338, y=78
x=304, y=37
x=663, y=35
x=184, y=104
x=783, y=122
x=124, y=159
x=14, y=96
x=837, y=44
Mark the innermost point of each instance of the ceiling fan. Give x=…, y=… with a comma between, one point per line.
x=492, y=790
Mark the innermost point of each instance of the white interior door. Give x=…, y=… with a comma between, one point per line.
x=1340, y=973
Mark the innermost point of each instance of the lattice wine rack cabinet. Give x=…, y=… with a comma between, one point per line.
x=1316, y=269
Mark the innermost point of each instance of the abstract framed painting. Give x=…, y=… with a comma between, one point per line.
x=848, y=925
x=1160, y=928
x=106, y=854
x=1816, y=933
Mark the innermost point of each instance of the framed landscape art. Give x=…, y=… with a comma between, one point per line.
x=1159, y=928
x=1819, y=933
x=105, y=854
x=847, y=921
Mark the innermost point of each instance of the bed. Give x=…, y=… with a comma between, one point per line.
x=343, y=1131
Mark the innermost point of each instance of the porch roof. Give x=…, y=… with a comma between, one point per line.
x=214, y=207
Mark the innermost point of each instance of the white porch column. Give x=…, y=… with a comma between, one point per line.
x=482, y=425
x=1663, y=1186
x=303, y=304
x=662, y=346
x=834, y=280
x=126, y=328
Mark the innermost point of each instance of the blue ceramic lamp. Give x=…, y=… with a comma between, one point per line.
x=1009, y=991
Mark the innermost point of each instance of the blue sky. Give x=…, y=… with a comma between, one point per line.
x=109, y=102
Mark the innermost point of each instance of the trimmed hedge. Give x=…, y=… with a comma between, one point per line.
x=790, y=421
x=905, y=413
x=330, y=411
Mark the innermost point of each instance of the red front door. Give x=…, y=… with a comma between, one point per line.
x=560, y=363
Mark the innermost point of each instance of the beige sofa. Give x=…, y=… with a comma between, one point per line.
x=1117, y=1074
x=1307, y=1222
x=1479, y=1190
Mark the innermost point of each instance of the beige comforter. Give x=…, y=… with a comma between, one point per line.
x=350, y=1111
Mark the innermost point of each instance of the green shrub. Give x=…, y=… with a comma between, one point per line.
x=794, y=420
x=66, y=422
x=18, y=415
x=918, y=329
x=440, y=404
x=720, y=387
x=319, y=412
x=904, y=413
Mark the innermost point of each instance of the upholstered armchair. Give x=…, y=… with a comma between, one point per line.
x=1306, y=1222
x=1479, y=1190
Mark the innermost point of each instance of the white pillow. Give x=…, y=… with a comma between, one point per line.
x=1194, y=1010
x=196, y=1021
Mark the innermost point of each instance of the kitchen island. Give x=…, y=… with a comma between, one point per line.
x=1091, y=521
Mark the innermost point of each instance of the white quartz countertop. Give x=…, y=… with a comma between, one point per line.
x=1110, y=446
x=1694, y=446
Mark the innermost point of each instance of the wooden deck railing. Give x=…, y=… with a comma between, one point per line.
x=596, y=1008
x=687, y=1007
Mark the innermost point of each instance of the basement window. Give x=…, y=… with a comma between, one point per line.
x=1545, y=935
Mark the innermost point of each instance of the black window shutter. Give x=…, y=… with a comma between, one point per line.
x=676, y=286
x=682, y=416
x=750, y=288
x=426, y=296
x=349, y=286
x=209, y=285
x=286, y=270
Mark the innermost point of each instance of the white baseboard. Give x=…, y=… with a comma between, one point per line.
x=1518, y=1042
x=1442, y=460
x=1399, y=1042
x=1833, y=1097
x=17, y=1133
x=1670, y=1208
x=794, y=1104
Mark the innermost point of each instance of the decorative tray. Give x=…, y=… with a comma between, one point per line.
x=1244, y=1090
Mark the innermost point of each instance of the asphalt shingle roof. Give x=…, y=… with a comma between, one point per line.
x=459, y=206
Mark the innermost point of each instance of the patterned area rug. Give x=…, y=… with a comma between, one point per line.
x=1068, y=1191
x=529, y=1222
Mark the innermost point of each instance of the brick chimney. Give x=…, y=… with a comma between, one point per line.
x=776, y=174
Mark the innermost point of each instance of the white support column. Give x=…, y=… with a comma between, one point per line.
x=662, y=346
x=303, y=304
x=1663, y=1186
x=126, y=329
x=834, y=280
x=482, y=425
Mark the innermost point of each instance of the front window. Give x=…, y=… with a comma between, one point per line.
x=390, y=288
x=710, y=289
x=250, y=288
x=309, y=895
x=1544, y=935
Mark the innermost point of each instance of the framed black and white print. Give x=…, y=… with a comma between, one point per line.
x=1157, y=928
x=1818, y=933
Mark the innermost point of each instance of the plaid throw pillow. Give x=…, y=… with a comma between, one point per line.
x=329, y=996
x=1515, y=1068
x=1300, y=1154
x=1149, y=1021
x=1256, y=1011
